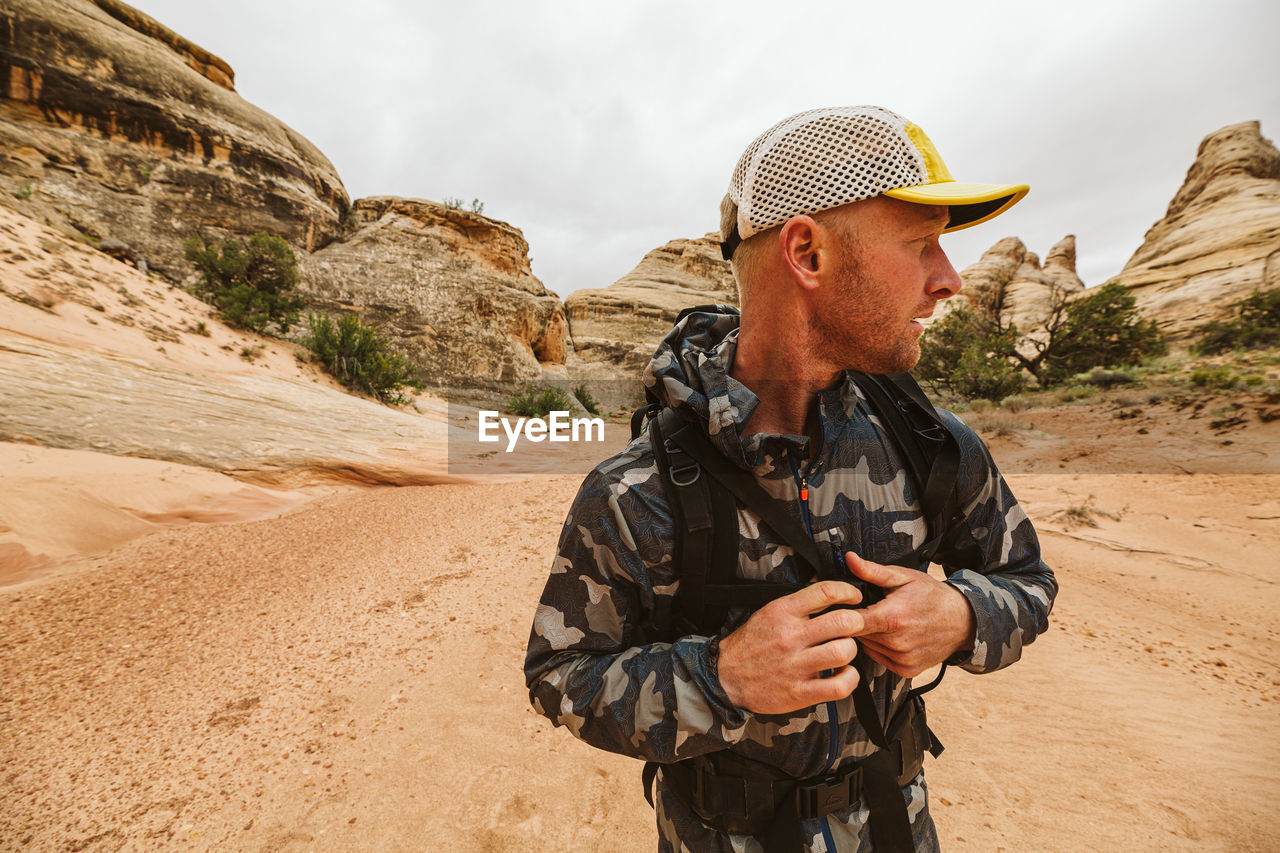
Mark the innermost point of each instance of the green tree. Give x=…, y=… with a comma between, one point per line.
x=969, y=357
x=1256, y=324
x=1101, y=329
x=356, y=356
x=251, y=283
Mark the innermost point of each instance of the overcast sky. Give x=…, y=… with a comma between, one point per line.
x=602, y=130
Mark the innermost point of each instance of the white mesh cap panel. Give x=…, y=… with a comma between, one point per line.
x=820, y=159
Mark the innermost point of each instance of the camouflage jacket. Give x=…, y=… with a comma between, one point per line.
x=602, y=658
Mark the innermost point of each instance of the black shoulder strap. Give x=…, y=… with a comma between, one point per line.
x=704, y=495
x=931, y=452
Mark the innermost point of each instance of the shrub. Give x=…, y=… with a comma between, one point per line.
x=354, y=355
x=1219, y=377
x=251, y=283
x=1100, y=377
x=538, y=401
x=1072, y=393
x=584, y=397
x=968, y=358
x=1257, y=324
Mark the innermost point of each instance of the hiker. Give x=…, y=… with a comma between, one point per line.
x=740, y=597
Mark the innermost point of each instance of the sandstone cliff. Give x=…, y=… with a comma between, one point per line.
x=452, y=289
x=617, y=328
x=1219, y=239
x=1009, y=280
x=113, y=126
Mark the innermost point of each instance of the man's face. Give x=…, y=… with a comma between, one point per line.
x=891, y=270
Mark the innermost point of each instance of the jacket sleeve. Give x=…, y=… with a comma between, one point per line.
x=991, y=555
x=600, y=660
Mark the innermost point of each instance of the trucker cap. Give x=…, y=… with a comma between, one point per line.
x=824, y=158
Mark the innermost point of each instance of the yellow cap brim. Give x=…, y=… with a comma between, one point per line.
x=970, y=204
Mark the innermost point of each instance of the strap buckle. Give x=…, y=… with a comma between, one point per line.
x=829, y=794
x=681, y=465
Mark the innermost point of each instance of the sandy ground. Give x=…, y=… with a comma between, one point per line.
x=346, y=676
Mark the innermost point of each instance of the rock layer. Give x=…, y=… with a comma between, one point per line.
x=111, y=125
x=452, y=289
x=1220, y=238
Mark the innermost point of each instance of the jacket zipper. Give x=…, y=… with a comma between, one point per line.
x=802, y=478
x=833, y=721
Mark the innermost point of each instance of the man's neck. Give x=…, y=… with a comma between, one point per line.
x=785, y=378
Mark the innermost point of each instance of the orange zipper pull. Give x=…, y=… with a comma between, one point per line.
x=804, y=489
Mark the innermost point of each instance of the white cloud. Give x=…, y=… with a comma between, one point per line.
x=604, y=130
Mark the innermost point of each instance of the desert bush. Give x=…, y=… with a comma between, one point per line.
x=538, y=401
x=586, y=399
x=1257, y=324
x=453, y=203
x=1218, y=377
x=1072, y=393
x=1016, y=403
x=251, y=283
x=1101, y=377
x=356, y=356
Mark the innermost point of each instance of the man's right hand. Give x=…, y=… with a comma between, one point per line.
x=773, y=663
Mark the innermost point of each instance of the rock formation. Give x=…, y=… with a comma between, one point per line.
x=1219, y=239
x=118, y=130
x=452, y=289
x=616, y=329
x=94, y=355
x=113, y=126
x=1009, y=280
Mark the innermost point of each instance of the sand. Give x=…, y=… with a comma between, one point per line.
x=347, y=676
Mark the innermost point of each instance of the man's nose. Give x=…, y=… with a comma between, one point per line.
x=944, y=282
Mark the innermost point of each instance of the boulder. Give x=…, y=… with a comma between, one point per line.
x=113, y=126
x=450, y=288
x=1220, y=238
x=617, y=328
x=1009, y=281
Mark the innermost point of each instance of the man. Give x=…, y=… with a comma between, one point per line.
x=832, y=222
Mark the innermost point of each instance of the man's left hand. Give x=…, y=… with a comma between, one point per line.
x=919, y=623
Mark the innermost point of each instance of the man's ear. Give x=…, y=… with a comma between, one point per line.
x=805, y=250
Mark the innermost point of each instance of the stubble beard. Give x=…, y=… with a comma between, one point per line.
x=860, y=337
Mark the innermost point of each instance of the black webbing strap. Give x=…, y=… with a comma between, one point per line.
x=930, y=450
x=684, y=444
x=690, y=438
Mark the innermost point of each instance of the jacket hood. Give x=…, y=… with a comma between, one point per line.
x=690, y=373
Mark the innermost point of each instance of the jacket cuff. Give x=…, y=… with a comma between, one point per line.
x=982, y=595
x=733, y=717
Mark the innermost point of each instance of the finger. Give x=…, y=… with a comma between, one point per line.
x=817, y=597
x=880, y=575
x=883, y=617
x=836, y=686
x=830, y=655
x=832, y=624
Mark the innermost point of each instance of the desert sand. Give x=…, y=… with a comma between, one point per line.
x=345, y=674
